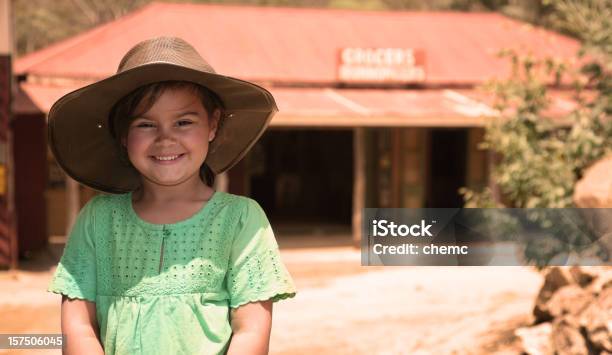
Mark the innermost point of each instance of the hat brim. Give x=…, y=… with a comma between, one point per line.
x=80, y=139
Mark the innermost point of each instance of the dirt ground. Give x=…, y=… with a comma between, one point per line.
x=342, y=307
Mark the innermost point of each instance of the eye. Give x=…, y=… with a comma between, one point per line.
x=144, y=125
x=184, y=122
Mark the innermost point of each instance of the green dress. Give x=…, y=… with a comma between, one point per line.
x=168, y=288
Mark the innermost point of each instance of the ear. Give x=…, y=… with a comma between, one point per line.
x=213, y=124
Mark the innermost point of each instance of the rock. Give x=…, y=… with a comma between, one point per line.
x=566, y=337
x=574, y=307
x=602, y=281
x=596, y=321
x=598, y=224
x=583, y=275
x=536, y=340
x=555, y=278
x=594, y=190
x=593, y=193
x=568, y=300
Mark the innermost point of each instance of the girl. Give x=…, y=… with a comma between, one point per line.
x=164, y=264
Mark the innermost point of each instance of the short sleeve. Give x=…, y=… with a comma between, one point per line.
x=75, y=275
x=256, y=271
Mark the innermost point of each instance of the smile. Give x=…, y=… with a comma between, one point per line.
x=167, y=158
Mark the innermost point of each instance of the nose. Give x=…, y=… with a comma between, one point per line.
x=165, y=136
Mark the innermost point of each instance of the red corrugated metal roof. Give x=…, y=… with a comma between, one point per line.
x=301, y=45
x=319, y=107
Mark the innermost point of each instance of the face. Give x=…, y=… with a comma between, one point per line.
x=168, y=143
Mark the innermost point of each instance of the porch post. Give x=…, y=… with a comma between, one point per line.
x=358, y=182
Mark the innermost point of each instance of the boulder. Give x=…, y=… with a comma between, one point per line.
x=536, y=340
x=602, y=281
x=568, y=300
x=574, y=307
x=566, y=337
x=554, y=279
x=594, y=190
x=583, y=275
x=596, y=321
x=594, y=193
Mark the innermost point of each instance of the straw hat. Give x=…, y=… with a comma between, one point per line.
x=78, y=122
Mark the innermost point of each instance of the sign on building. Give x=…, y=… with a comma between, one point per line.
x=381, y=65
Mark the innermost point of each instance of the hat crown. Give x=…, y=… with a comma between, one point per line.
x=170, y=50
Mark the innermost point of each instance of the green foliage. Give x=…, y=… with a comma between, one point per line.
x=479, y=199
x=358, y=4
x=39, y=23
x=588, y=20
x=540, y=159
x=445, y=5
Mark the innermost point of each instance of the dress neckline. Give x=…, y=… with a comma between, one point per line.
x=189, y=221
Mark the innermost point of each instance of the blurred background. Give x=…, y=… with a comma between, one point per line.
x=383, y=103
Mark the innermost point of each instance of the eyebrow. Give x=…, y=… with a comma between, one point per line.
x=180, y=114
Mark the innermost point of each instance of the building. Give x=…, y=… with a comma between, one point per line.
x=377, y=109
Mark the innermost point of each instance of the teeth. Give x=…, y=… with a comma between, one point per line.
x=167, y=158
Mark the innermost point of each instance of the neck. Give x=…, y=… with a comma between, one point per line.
x=190, y=190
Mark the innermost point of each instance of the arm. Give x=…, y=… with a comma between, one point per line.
x=251, y=324
x=80, y=326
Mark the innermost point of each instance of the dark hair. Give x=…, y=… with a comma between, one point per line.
x=143, y=98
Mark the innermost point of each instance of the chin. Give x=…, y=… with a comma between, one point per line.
x=167, y=181
x=173, y=181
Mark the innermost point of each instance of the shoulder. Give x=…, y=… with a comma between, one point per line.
x=102, y=206
x=242, y=207
x=103, y=201
x=228, y=200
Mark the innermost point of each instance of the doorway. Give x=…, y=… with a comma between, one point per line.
x=447, y=167
x=304, y=176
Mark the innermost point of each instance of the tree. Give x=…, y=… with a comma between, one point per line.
x=39, y=23
x=540, y=162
